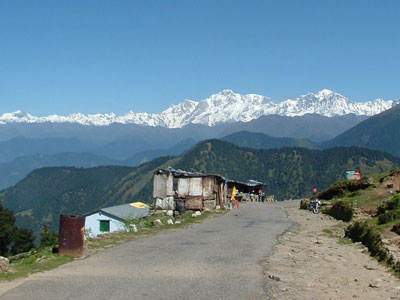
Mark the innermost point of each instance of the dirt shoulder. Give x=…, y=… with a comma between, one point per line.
x=310, y=263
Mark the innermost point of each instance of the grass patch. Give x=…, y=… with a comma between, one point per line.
x=43, y=260
x=345, y=241
x=328, y=232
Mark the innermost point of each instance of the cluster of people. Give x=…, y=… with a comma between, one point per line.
x=253, y=196
x=260, y=196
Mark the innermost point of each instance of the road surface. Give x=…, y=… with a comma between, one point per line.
x=221, y=258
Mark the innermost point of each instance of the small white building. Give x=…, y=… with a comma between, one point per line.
x=114, y=218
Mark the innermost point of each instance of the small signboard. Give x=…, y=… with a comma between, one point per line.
x=353, y=175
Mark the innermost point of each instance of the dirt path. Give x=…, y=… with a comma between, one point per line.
x=311, y=264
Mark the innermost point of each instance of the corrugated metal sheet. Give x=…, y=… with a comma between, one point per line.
x=126, y=211
x=71, y=235
x=195, y=186
x=194, y=202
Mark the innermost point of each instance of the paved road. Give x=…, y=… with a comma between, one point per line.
x=218, y=259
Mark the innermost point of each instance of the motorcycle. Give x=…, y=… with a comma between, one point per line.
x=315, y=206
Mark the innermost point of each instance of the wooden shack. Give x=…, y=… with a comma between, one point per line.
x=198, y=191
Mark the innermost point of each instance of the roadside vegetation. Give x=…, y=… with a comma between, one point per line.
x=372, y=209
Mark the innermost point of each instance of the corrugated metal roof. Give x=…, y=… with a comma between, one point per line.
x=125, y=212
x=180, y=173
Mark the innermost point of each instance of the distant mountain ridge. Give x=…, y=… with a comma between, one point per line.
x=17, y=169
x=12, y=172
x=223, y=107
x=380, y=132
x=258, y=140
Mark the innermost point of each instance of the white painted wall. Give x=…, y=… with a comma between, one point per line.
x=92, y=224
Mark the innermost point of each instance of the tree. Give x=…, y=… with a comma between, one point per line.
x=7, y=228
x=22, y=241
x=48, y=238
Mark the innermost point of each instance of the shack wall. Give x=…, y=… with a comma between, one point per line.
x=196, y=186
x=208, y=188
x=194, y=202
x=170, y=185
x=183, y=187
x=160, y=186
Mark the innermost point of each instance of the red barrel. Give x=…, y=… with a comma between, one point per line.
x=71, y=235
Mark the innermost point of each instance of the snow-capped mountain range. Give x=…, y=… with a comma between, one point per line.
x=223, y=107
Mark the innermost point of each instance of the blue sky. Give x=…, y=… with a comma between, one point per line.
x=114, y=56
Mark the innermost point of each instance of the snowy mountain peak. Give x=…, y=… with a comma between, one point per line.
x=325, y=93
x=15, y=117
x=223, y=107
x=226, y=92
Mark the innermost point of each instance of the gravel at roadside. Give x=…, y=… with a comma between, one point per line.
x=310, y=263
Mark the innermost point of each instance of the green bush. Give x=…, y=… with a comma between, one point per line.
x=369, y=236
x=340, y=210
x=22, y=241
x=389, y=216
x=392, y=204
x=396, y=228
x=48, y=238
x=338, y=189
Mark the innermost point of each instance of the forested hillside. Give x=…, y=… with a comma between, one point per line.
x=288, y=172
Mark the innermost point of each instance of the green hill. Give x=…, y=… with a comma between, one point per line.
x=47, y=192
x=380, y=132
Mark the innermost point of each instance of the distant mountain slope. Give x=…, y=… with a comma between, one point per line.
x=45, y=193
x=142, y=143
x=311, y=127
x=146, y=156
x=22, y=146
x=380, y=132
x=263, y=141
x=16, y=170
x=12, y=172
